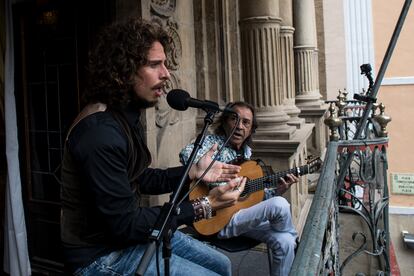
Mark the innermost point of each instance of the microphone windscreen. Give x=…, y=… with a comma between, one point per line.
x=178, y=98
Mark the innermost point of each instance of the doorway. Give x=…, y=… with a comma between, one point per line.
x=52, y=39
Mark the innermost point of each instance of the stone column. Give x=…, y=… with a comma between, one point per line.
x=306, y=55
x=261, y=66
x=308, y=98
x=268, y=84
x=288, y=73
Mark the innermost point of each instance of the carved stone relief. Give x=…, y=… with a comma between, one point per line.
x=174, y=56
x=164, y=8
x=165, y=117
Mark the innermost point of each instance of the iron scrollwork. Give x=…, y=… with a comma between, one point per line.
x=365, y=193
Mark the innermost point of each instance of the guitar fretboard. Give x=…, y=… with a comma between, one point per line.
x=270, y=181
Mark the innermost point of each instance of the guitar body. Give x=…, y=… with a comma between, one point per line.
x=253, y=192
x=249, y=169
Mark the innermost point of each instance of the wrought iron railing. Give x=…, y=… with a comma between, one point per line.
x=353, y=180
x=318, y=249
x=364, y=192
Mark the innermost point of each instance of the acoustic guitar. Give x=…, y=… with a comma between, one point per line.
x=253, y=193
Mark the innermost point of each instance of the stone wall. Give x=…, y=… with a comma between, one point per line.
x=228, y=50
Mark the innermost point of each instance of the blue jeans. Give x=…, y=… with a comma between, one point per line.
x=189, y=257
x=270, y=222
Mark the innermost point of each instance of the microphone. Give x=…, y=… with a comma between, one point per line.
x=181, y=100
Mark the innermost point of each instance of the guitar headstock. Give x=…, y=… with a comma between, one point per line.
x=314, y=164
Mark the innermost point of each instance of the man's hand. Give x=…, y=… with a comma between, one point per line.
x=285, y=183
x=219, y=172
x=226, y=195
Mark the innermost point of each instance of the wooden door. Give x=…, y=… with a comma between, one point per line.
x=52, y=40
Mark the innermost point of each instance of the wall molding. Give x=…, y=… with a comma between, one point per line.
x=401, y=210
x=398, y=81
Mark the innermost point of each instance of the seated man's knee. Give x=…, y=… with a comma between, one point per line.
x=284, y=243
x=281, y=204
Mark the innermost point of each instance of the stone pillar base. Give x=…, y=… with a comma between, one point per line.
x=281, y=148
x=282, y=155
x=316, y=116
x=283, y=133
x=296, y=122
x=293, y=111
x=309, y=100
x=273, y=124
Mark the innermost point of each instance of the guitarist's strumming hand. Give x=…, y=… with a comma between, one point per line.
x=226, y=195
x=285, y=183
x=219, y=172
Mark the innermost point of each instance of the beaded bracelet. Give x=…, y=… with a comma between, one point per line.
x=198, y=209
x=202, y=208
x=208, y=211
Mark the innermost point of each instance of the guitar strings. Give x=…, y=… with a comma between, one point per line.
x=268, y=181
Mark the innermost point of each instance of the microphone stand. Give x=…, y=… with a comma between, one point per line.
x=162, y=228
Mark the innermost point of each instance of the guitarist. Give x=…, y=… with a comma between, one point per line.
x=268, y=221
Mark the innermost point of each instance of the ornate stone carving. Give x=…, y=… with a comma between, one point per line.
x=166, y=116
x=164, y=8
x=174, y=56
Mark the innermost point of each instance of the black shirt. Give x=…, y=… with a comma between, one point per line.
x=100, y=210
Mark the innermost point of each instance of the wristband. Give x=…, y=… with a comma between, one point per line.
x=198, y=209
x=202, y=208
x=208, y=211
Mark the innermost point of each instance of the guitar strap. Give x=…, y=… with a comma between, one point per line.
x=86, y=111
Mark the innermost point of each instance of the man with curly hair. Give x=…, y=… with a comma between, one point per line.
x=105, y=167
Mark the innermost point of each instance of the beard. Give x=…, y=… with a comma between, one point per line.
x=140, y=103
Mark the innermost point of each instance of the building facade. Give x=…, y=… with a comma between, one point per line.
x=285, y=57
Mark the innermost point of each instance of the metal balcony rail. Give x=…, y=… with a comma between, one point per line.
x=319, y=233
x=363, y=193
x=353, y=180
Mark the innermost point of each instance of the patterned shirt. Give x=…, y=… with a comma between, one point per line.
x=227, y=155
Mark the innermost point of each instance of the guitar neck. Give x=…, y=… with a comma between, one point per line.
x=270, y=181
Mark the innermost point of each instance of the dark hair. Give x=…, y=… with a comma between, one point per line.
x=121, y=49
x=226, y=115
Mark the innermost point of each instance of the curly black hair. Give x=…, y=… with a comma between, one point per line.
x=121, y=49
x=226, y=115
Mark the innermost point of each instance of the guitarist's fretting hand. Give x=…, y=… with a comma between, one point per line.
x=285, y=183
x=226, y=195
